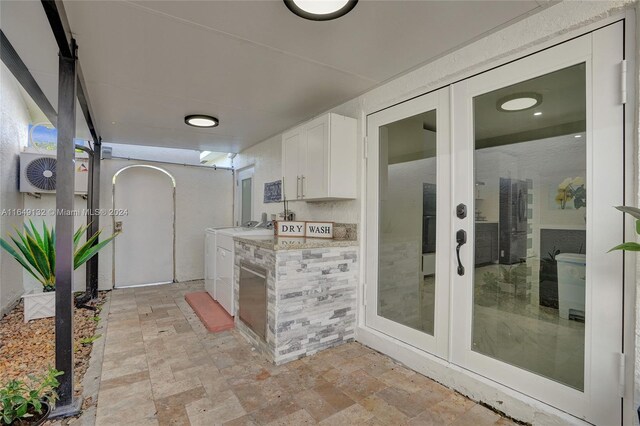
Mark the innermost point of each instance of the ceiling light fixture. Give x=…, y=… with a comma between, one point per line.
x=320, y=10
x=537, y=113
x=519, y=102
x=577, y=136
x=199, y=120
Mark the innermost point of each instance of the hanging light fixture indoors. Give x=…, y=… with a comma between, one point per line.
x=320, y=10
x=199, y=120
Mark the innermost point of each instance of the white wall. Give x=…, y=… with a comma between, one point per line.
x=14, y=122
x=203, y=199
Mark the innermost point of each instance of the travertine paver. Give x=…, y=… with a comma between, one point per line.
x=161, y=367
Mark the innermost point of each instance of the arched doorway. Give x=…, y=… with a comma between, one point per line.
x=145, y=251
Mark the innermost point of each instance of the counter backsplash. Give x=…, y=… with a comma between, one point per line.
x=345, y=231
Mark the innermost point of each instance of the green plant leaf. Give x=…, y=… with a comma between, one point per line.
x=36, y=234
x=19, y=258
x=40, y=257
x=91, y=251
x=79, y=233
x=80, y=251
x=626, y=247
x=24, y=249
x=635, y=212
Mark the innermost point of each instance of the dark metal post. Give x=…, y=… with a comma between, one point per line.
x=65, y=188
x=92, y=264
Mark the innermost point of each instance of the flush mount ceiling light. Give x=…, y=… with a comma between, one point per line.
x=199, y=120
x=519, y=102
x=320, y=10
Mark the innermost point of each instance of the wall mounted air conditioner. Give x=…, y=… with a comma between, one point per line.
x=38, y=173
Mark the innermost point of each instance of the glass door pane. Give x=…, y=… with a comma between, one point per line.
x=530, y=225
x=407, y=221
x=246, y=200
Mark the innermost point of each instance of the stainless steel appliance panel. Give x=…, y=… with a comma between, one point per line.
x=253, y=298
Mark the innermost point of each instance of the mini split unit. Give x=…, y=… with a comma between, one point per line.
x=38, y=173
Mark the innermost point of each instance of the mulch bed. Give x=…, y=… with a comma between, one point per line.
x=30, y=348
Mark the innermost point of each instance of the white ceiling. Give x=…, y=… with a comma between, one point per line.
x=253, y=64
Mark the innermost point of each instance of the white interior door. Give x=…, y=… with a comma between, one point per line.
x=543, y=138
x=143, y=252
x=408, y=178
x=244, y=196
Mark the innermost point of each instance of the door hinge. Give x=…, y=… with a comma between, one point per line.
x=365, y=151
x=622, y=374
x=623, y=81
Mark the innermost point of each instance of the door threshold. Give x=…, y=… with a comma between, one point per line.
x=142, y=285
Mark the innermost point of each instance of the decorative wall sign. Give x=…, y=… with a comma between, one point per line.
x=319, y=229
x=290, y=229
x=273, y=192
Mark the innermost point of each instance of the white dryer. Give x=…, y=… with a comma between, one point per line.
x=224, y=271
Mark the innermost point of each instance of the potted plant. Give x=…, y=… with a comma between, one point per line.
x=510, y=279
x=29, y=402
x=630, y=246
x=36, y=252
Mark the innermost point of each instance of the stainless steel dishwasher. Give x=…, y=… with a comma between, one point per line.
x=253, y=297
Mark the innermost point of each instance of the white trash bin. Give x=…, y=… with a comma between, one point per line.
x=571, y=284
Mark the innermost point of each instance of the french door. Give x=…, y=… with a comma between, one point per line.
x=408, y=250
x=489, y=212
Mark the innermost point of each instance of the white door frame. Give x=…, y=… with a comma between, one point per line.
x=240, y=175
x=438, y=343
x=371, y=249
x=113, y=221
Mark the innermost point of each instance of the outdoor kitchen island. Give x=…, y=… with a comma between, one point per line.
x=295, y=296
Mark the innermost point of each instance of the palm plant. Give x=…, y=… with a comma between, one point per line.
x=36, y=251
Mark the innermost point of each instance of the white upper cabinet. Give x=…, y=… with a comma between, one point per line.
x=293, y=158
x=319, y=159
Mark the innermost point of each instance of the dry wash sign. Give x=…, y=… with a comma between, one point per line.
x=319, y=229
x=290, y=229
x=305, y=229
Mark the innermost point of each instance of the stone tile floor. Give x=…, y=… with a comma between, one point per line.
x=162, y=367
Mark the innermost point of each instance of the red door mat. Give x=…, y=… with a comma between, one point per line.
x=212, y=315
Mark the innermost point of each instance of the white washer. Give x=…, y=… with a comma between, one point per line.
x=223, y=272
x=210, y=257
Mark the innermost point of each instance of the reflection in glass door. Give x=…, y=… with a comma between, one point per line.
x=530, y=225
x=408, y=170
x=406, y=271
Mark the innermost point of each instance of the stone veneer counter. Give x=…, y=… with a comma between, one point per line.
x=282, y=243
x=311, y=294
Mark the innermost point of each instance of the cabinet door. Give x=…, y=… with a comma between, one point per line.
x=291, y=152
x=316, y=169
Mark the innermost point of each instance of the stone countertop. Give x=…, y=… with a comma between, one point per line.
x=279, y=243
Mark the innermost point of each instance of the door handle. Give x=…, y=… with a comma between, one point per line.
x=302, y=186
x=461, y=239
x=298, y=187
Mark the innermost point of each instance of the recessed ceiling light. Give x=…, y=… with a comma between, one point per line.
x=519, y=102
x=199, y=120
x=537, y=113
x=320, y=10
x=577, y=136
